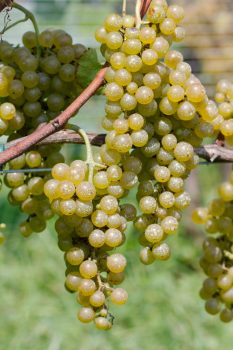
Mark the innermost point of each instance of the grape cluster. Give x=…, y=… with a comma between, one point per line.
x=224, y=99
x=35, y=89
x=91, y=223
x=157, y=111
x=217, y=259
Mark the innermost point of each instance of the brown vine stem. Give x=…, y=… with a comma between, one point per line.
x=58, y=123
x=211, y=153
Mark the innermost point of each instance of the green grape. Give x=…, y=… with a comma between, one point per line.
x=86, y=315
x=116, y=263
x=119, y=296
x=161, y=251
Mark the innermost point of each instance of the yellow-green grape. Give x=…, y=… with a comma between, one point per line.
x=169, y=142
x=114, y=40
x=83, y=208
x=212, y=306
x=200, y=216
x=161, y=252
x=97, y=299
x=14, y=179
x=148, y=204
x=82, y=299
x=109, y=75
x=225, y=191
x=114, y=221
x=175, y=12
x=161, y=46
x=88, y=269
x=179, y=34
x=113, y=22
x=183, y=152
x=136, y=121
x=173, y=58
x=87, y=287
x=20, y=193
x=99, y=218
x=227, y=127
x=117, y=60
x=156, y=14
x=147, y=35
x=67, y=207
x=132, y=46
x=169, y=225
x=177, y=77
x=152, y=80
x=113, y=237
x=123, y=77
x=113, y=92
x=96, y=238
x=73, y=281
x=128, y=102
x=144, y=95
x=154, y=233
x=115, y=278
x=149, y=57
x=132, y=88
x=128, y=180
x=166, y=199
x=186, y=111
x=116, y=263
x=175, y=93
x=75, y=256
x=167, y=107
x=225, y=109
x=133, y=63
x=167, y=26
x=51, y=189
x=216, y=207
x=7, y=111
x=66, y=190
x=108, y=204
x=132, y=33
x=163, y=126
x=195, y=93
x=4, y=85
x=101, y=35
x=128, y=21
x=146, y=256
x=86, y=314
x=119, y=296
x=102, y=323
x=226, y=315
x=60, y=171
x=114, y=173
x=86, y=191
x=33, y=159
x=121, y=126
x=182, y=200
x=100, y=180
x=162, y=174
x=122, y=143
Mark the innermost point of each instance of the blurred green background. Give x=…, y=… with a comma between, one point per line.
x=164, y=311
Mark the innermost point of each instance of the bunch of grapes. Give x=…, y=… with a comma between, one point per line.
x=36, y=84
x=91, y=223
x=156, y=112
x=224, y=99
x=217, y=259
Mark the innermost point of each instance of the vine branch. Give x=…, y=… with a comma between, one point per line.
x=211, y=153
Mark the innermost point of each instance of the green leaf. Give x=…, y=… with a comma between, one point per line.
x=88, y=67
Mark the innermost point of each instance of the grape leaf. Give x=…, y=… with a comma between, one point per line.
x=88, y=67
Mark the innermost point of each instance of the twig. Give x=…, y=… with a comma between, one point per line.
x=56, y=124
x=215, y=153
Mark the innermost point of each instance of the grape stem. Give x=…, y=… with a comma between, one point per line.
x=28, y=15
x=89, y=159
x=58, y=123
x=138, y=13
x=124, y=7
